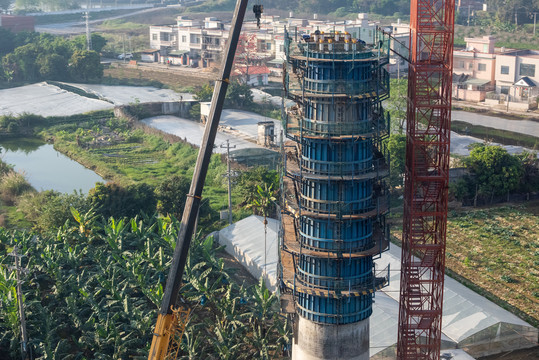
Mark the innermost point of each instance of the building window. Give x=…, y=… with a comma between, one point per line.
x=164, y=36
x=504, y=70
x=470, y=66
x=184, y=38
x=268, y=46
x=281, y=48
x=527, y=70
x=482, y=67
x=460, y=64
x=154, y=37
x=504, y=90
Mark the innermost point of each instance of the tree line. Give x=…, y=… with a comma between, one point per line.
x=31, y=56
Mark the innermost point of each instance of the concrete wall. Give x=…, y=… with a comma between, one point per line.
x=331, y=342
x=469, y=95
x=155, y=109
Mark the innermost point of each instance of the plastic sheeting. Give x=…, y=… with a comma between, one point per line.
x=245, y=241
x=123, y=95
x=47, y=100
x=470, y=321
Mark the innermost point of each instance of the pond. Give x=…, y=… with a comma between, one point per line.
x=46, y=168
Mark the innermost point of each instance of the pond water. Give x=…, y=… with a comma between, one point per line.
x=46, y=168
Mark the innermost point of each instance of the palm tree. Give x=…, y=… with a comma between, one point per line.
x=262, y=202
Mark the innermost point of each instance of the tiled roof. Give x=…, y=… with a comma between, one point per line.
x=253, y=70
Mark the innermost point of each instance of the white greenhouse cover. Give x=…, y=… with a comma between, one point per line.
x=47, y=100
x=471, y=323
x=245, y=241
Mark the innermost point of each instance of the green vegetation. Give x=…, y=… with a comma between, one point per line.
x=76, y=17
x=119, y=24
x=510, y=37
x=396, y=147
x=397, y=104
x=36, y=57
x=502, y=248
x=95, y=286
x=495, y=135
x=238, y=96
x=496, y=173
x=495, y=252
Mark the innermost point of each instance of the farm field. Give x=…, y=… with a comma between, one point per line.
x=495, y=252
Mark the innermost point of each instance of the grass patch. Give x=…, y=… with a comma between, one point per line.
x=124, y=153
x=521, y=38
x=118, y=24
x=501, y=136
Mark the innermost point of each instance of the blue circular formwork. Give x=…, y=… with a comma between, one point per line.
x=352, y=78
x=330, y=310
x=337, y=124
x=344, y=274
x=343, y=157
x=330, y=117
x=337, y=197
x=331, y=235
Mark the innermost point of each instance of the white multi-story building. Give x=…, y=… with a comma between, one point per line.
x=190, y=41
x=201, y=43
x=517, y=77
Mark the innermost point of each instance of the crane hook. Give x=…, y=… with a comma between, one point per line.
x=258, y=10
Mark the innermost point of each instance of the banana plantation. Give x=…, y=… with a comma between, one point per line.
x=92, y=290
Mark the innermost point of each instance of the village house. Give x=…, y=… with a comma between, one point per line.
x=517, y=78
x=473, y=69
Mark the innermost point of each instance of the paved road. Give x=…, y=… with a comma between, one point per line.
x=527, y=127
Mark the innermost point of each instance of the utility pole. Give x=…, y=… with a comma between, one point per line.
x=534, y=20
x=123, y=40
x=25, y=351
x=229, y=175
x=88, y=33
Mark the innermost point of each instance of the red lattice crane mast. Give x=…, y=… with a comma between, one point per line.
x=426, y=179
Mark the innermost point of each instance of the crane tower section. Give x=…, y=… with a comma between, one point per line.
x=426, y=179
x=336, y=198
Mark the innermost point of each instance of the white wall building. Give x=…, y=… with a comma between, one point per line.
x=517, y=77
x=190, y=41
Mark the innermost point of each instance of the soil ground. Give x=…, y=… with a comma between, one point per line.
x=174, y=77
x=495, y=252
x=526, y=354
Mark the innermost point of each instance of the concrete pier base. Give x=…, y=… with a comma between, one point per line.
x=331, y=342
